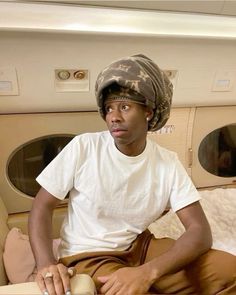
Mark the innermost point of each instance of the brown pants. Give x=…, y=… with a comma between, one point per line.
x=212, y=273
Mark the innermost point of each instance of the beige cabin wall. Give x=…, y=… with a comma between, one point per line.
x=35, y=56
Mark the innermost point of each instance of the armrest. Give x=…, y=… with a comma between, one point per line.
x=80, y=284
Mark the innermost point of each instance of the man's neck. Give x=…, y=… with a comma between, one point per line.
x=131, y=150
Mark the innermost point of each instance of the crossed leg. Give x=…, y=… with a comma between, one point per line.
x=212, y=273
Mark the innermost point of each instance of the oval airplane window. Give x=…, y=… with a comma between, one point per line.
x=29, y=160
x=217, y=151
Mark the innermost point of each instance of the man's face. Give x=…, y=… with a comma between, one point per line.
x=126, y=121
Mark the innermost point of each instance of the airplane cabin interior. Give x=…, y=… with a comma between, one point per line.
x=50, y=55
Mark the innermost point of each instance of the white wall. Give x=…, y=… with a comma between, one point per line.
x=35, y=56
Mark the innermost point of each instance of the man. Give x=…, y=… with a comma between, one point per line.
x=119, y=183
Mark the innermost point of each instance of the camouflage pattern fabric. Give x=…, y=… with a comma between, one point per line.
x=142, y=75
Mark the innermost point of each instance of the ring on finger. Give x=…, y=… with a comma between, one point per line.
x=48, y=275
x=70, y=272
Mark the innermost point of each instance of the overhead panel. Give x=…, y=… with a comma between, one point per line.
x=8, y=81
x=72, y=80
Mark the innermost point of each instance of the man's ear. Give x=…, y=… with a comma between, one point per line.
x=149, y=114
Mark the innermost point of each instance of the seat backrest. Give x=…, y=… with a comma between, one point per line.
x=3, y=233
x=20, y=220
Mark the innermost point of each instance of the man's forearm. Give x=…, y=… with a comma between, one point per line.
x=40, y=232
x=193, y=243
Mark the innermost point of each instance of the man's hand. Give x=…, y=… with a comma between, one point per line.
x=55, y=279
x=127, y=280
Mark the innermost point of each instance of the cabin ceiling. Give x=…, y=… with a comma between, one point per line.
x=139, y=18
x=219, y=7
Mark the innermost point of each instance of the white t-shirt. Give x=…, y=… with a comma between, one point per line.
x=113, y=197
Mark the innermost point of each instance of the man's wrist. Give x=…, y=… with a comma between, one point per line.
x=152, y=272
x=46, y=264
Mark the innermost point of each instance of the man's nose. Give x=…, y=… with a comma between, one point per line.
x=116, y=115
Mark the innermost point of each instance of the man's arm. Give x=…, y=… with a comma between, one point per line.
x=40, y=228
x=195, y=241
x=40, y=233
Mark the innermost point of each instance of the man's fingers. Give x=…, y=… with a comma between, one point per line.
x=103, y=279
x=108, y=282
x=71, y=271
x=41, y=284
x=55, y=279
x=49, y=281
x=66, y=274
x=58, y=284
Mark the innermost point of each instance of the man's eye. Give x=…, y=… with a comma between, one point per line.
x=125, y=107
x=108, y=109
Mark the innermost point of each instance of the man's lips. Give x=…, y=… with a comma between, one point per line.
x=117, y=131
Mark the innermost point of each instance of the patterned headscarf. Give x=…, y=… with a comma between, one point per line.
x=145, y=79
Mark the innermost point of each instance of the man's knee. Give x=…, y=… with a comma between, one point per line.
x=215, y=271
x=212, y=273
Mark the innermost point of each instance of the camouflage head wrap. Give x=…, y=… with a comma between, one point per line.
x=142, y=75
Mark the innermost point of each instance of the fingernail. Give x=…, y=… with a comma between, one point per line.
x=45, y=293
x=68, y=292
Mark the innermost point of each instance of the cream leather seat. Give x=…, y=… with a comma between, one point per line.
x=3, y=233
x=81, y=284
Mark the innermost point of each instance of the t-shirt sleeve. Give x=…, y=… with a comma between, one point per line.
x=183, y=192
x=58, y=176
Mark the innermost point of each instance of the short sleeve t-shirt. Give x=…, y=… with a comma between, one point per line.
x=113, y=197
